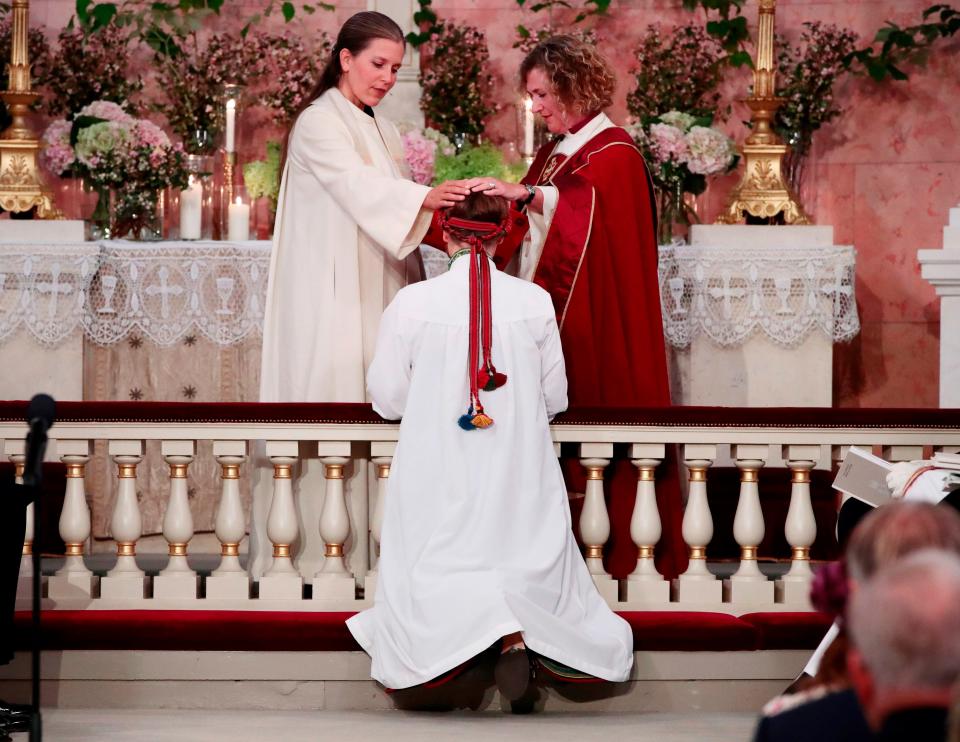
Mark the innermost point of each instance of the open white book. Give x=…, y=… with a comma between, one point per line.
x=864, y=476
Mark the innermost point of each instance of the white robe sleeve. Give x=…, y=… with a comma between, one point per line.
x=385, y=208
x=553, y=372
x=539, y=227
x=388, y=378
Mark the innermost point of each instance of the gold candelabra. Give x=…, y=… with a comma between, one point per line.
x=21, y=186
x=763, y=193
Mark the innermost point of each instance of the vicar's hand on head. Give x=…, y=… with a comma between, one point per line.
x=447, y=194
x=497, y=187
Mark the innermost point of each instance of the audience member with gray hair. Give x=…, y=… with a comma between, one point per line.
x=830, y=711
x=905, y=657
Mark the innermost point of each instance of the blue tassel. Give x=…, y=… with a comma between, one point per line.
x=466, y=422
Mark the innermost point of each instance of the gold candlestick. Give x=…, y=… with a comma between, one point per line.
x=21, y=186
x=763, y=193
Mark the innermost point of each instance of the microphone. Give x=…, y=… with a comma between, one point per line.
x=40, y=416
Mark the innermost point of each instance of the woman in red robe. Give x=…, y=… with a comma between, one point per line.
x=592, y=245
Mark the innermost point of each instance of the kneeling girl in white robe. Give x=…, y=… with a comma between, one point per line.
x=477, y=545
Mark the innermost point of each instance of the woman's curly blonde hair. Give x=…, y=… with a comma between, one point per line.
x=579, y=75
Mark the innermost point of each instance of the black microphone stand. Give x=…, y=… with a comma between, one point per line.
x=32, y=478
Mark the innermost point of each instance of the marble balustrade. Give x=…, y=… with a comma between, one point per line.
x=753, y=444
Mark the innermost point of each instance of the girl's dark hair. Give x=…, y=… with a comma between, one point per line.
x=355, y=35
x=476, y=207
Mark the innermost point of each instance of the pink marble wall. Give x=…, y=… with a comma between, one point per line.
x=884, y=174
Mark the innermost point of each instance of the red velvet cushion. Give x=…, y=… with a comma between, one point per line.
x=191, y=630
x=788, y=630
x=691, y=631
x=320, y=631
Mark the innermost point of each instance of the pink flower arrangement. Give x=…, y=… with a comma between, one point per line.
x=420, y=154
x=421, y=148
x=57, y=155
x=668, y=143
x=683, y=149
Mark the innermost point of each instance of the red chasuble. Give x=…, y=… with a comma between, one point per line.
x=599, y=264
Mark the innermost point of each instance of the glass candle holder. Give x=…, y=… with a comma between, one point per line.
x=192, y=208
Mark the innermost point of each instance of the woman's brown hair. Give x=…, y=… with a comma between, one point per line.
x=355, y=35
x=581, y=78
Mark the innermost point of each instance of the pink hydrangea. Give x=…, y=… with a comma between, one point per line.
x=107, y=110
x=420, y=153
x=57, y=154
x=711, y=151
x=668, y=143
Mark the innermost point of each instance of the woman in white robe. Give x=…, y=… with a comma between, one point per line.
x=348, y=224
x=477, y=543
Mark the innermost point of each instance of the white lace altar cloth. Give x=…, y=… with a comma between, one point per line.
x=110, y=289
x=165, y=291
x=731, y=294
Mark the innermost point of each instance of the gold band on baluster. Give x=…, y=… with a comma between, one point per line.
x=229, y=549
x=231, y=471
x=646, y=473
x=281, y=550
x=333, y=550
x=749, y=475
x=698, y=474
x=646, y=552
x=75, y=471
x=801, y=553
x=126, y=548
x=698, y=552
x=20, y=467
x=334, y=471
x=178, y=549
x=383, y=471
x=282, y=471
x=178, y=471
x=594, y=552
x=800, y=476
x=27, y=548
x=73, y=549
x=748, y=553
x=594, y=472
x=127, y=471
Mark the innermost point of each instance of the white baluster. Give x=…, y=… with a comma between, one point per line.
x=749, y=586
x=229, y=580
x=697, y=584
x=177, y=580
x=382, y=456
x=800, y=528
x=594, y=520
x=333, y=582
x=896, y=454
x=645, y=585
x=282, y=580
x=126, y=580
x=73, y=580
x=15, y=451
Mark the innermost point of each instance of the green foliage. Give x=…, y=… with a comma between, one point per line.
x=730, y=30
x=262, y=177
x=474, y=162
x=900, y=47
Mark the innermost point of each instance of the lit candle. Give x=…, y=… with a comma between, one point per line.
x=527, y=127
x=238, y=221
x=231, y=125
x=191, y=209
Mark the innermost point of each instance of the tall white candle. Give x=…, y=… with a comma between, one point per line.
x=527, y=127
x=231, y=126
x=191, y=210
x=238, y=221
